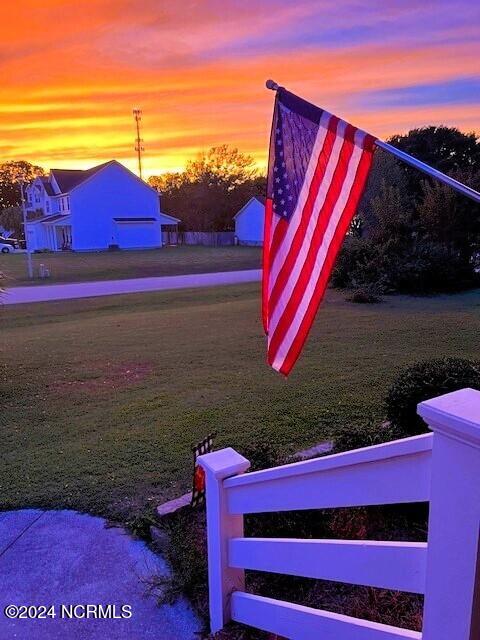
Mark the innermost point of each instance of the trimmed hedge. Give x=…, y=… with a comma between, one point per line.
x=425, y=380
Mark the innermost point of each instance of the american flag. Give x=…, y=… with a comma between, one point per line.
x=318, y=168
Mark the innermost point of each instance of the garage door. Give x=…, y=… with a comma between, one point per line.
x=137, y=234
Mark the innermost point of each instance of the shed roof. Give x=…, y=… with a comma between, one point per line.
x=260, y=199
x=171, y=218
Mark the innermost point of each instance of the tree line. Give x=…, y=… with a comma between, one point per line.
x=411, y=233
x=414, y=234
x=11, y=175
x=211, y=189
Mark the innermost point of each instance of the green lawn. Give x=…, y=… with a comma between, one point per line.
x=80, y=267
x=103, y=398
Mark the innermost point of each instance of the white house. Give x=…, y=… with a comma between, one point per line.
x=249, y=222
x=99, y=208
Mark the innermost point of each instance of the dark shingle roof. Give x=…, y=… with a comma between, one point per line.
x=55, y=216
x=68, y=179
x=47, y=186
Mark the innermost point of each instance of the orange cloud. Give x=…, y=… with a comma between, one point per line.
x=72, y=71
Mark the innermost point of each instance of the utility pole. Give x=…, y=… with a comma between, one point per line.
x=24, y=213
x=137, y=114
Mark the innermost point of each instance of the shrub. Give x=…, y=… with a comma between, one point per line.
x=364, y=295
x=364, y=435
x=261, y=454
x=426, y=380
x=432, y=267
x=360, y=263
x=414, y=265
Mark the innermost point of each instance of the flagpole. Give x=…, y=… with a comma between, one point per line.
x=414, y=162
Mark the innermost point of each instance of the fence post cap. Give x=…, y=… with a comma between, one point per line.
x=223, y=463
x=455, y=414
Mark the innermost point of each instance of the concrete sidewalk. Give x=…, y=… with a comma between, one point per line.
x=66, y=558
x=45, y=293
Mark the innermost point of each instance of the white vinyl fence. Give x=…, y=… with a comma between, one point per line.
x=442, y=468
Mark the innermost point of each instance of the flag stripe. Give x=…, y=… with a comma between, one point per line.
x=297, y=343
x=293, y=241
x=267, y=232
x=318, y=167
x=318, y=264
x=285, y=232
x=300, y=278
x=312, y=229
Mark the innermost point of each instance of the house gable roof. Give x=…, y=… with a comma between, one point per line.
x=68, y=179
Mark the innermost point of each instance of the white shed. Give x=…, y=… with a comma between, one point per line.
x=249, y=222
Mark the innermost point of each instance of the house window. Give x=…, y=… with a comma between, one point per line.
x=68, y=203
x=47, y=206
x=61, y=204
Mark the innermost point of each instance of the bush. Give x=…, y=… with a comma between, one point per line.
x=261, y=454
x=405, y=266
x=360, y=263
x=364, y=295
x=432, y=267
x=425, y=380
x=364, y=435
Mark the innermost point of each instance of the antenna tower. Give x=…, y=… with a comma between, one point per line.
x=139, y=148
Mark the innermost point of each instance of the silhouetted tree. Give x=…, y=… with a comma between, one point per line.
x=211, y=189
x=444, y=148
x=10, y=175
x=415, y=234
x=11, y=219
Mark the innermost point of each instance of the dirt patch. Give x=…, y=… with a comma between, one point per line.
x=105, y=376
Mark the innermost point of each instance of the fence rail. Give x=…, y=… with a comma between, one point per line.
x=390, y=565
x=442, y=467
x=295, y=621
x=384, y=474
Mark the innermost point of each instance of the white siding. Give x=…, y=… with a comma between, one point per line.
x=133, y=235
x=249, y=223
x=113, y=192
x=36, y=238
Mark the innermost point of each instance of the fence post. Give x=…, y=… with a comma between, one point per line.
x=222, y=579
x=452, y=596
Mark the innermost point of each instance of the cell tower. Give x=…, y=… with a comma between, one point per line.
x=137, y=114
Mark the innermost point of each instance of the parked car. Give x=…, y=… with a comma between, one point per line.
x=11, y=241
x=6, y=248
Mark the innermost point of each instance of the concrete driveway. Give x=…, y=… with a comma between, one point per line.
x=45, y=293
x=54, y=558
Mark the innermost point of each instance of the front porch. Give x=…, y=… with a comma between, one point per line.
x=53, y=233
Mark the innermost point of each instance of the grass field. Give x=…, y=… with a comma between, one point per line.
x=103, y=398
x=169, y=261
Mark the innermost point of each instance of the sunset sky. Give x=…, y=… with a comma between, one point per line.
x=70, y=72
